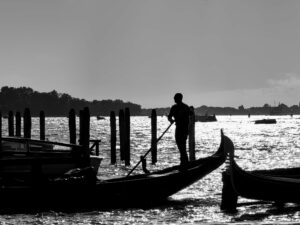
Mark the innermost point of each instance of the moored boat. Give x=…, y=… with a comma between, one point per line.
x=265, y=121
x=19, y=157
x=205, y=118
x=84, y=190
x=277, y=185
x=100, y=117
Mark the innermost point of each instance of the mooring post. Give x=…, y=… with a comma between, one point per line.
x=81, y=127
x=192, y=134
x=0, y=132
x=85, y=132
x=42, y=125
x=229, y=196
x=113, y=137
x=87, y=129
x=127, y=137
x=97, y=142
x=11, y=124
x=121, y=133
x=18, y=124
x=153, y=136
x=72, y=126
x=27, y=123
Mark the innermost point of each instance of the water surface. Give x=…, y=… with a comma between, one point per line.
x=258, y=146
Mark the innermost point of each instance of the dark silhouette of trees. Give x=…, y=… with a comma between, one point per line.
x=266, y=109
x=57, y=104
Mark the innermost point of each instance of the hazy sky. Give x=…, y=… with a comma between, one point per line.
x=217, y=53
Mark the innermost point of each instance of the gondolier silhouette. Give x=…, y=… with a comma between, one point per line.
x=179, y=114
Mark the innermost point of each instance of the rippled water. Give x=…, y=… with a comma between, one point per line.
x=259, y=146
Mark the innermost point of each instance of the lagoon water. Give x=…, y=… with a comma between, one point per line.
x=258, y=146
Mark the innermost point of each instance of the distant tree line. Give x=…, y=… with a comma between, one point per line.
x=266, y=109
x=57, y=104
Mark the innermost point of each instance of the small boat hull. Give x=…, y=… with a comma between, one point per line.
x=205, y=118
x=265, y=121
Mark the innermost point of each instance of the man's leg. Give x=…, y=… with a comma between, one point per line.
x=181, y=144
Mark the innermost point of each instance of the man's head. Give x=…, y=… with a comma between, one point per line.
x=178, y=97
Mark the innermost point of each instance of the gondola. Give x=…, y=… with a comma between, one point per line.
x=277, y=185
x=82, y=189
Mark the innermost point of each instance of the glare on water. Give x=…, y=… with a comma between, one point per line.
x=258, y=146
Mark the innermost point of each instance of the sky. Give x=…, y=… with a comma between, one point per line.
x=215, y=52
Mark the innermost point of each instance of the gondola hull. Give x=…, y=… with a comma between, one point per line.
x=278, y=185
x=260, y=186
x=85, y=192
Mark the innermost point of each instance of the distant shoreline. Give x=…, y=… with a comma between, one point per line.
x=56, y=104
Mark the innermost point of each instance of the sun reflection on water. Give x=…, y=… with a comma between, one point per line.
x=258, y=146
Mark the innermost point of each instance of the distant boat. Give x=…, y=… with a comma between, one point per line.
x=100, y=118
x=205, y=118
x=265, y=121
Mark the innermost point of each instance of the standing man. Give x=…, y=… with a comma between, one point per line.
x=179, y=114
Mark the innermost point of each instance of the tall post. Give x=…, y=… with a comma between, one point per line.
x=18, y=124
x=72, y=126
x=121, y=132
x=10, y=124
x=113, y=137
x=192, y=134
x=127, y=137
x=0, y=132
x=27, y=123
x=85, y=132
x=42, y=125
x=153, y=136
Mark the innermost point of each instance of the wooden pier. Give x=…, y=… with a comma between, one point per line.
x=93, y=146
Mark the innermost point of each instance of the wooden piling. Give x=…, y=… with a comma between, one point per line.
x=113, y=137
x=81, y=128
x=153, y=136
x=0, y=132
x=42, y=125
x=121, y=133
x=85, y=131
x=127, y=137
x=85, y=135
x=72, y=126
x=18, y=124
x=97, y=147
x=11, y=124
x=192, y=134
x=229, y=196
x=27, y=123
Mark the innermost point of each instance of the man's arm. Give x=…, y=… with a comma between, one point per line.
x=171, y=114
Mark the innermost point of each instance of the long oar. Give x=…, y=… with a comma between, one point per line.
x=143, y=157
